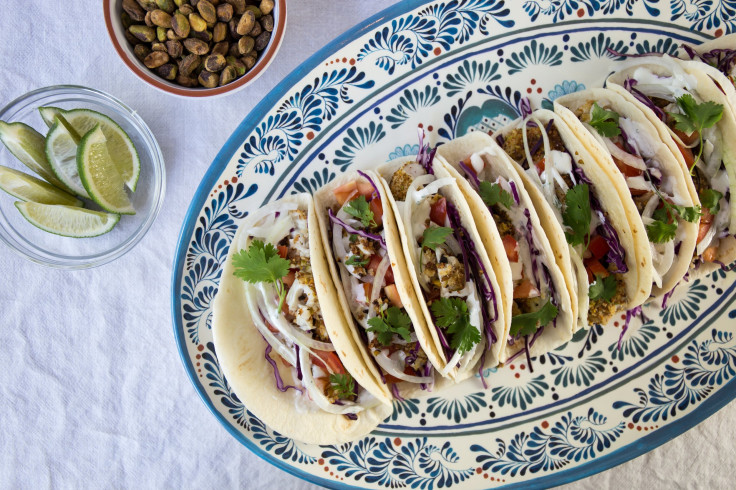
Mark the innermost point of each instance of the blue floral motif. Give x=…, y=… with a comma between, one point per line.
x=708, y=14
x=520, y=396
x=411, y=101
x=222, y=389
x=591, y=337
x=534, y=53
x=581, y=373
x=355, y=141
x=665, y=46
x=564, y=88
x=282, y=446
x=559, y=9
x=274, y=140
x=636, y=343
x=198, y=292
x=686, y=307
x=456, y=409
x=598, y=47
x=704, y=366
x=403, y=151
x=416, y=463
x=311, y=184
x=407, y=407
x=470, y=73
x=451, y=119
x=572, y=439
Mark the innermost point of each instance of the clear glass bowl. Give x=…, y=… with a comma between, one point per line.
x=82, y=253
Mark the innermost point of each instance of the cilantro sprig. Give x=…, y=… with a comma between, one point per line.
x=528, y=323
x=390, y=321
x=357, y=261
x=262, y=263
x=664, y=226
x=434, y=236
x=343, y=385
x=493, y=193
x=577, y=215
x=604, y=121
x=710, y=199
x=452, y=314
x=696, y=117
x=603, y=288
x=359, y=209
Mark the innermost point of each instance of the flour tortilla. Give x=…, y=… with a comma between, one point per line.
x=723, y=81
x=701, y=75
x=454, y=196
x=668, y=164
x=325, y=199
x=240, y=352
x=457, y=150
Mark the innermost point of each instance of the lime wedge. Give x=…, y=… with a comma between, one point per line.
x=27, y=188
x=61, y=152
x=99, y=174
x=122, y=151
x=67, y=220
x=27, y=145
x=48, y=114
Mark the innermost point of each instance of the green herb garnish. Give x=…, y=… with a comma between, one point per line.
x=603, y=288
x=390, y=321
x=343, y=385
x=360, y=210
x=696, y=117
x=493, y=193
x=262, y=263
x=452, y=315
x=710, y=199
x=605, y=122
x=661, y=230
x=577, y=214
x=528, y=323
x=353, y=237
x=434, y=236
x=357, y=261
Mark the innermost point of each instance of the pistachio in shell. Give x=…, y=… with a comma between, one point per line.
x=227, y=75
x=262, y=40
x=267, y=23
x=266, y=6
x=180, y=24
x=236, y=64
x=186, y=81
x=245, y=45
x=134, y=10
x=188, y=64
x=167, y=6
x=224, y=12
x=221, y=48
x=238, y=6
x=208, y=79
x=143, y=33
x=246, y=23
x=167, y=71
x=156, y=59
x=219, y=32
x=161, y=18
x=207, y=11
x=141, y=51
x=196, y=46
x=174, y=48
x=198, y=23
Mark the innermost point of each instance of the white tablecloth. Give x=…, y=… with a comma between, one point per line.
x=92, y=391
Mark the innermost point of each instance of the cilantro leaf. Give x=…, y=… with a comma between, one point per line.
x=390, y=321
x=603, y=288
x=435, y=235
x=357, y=261
x=528, y=323
x=710, y=199
x=452, y=315
x=660, y=231
x=493, y=193
x=688, y=213
x=353, y=238
x=577, y=214
x=262, y=263
x=343, y=385
x=696, y=117
x=605, y=122
x=360, y=210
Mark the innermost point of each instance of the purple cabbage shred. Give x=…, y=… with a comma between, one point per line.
x=395, y=392
x=351, y=416
x=629, y=85
x=515, y=193
x=425, y=157
x=276, y=374
x=526, y=106
x=350, y=229
x=471, y=174
x=373, y=184
x=298, y=364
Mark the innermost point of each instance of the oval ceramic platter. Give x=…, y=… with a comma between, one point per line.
x=453, y=67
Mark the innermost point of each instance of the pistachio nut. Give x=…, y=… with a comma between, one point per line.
x=205, y=36
x=158, y=47
x=156, y=59
x=198, y=23
x=126, y=20
x=167, y=71
x=237, y=64
x=143, y=33
x=161, y=18
x=171, y=35
x=196, y=46
x=208, y=79
x=246, y=23
x=214, y=62
x=147, y=20
x=174, y=48
x=141, y=51
x=179, y=3
x=267, y=22
x=221, y=48
x=186, y=9
x=193, y=3
x=262, y=40
x=134, y=10
x=224, y=12
x=232, y=27
x=167, y=6
x=227, y=75
x=256, y=31
x=188, y=64
x=131, y=38
x=186, y=81
x=180, y=24
x=256, y=11
x=219, y=32
x=266, y=6
x=234, y=51
x=161, y=34
x=207, y=11
x=249, y=61
x=148, y=4
x=238, y=6
x=245, y=45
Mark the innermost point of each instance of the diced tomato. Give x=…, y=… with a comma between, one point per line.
x=710, y=253
x=594, y=268
x=638, y=192
x=271, y=327
x=367, y=290
x=373, y=264
x=438, y=211
x=328, y=361
x=283, y=251
x=468, y=164
x=377, y=209
x=285, y=309
x=391, y=379
x=705, y=221
x=289, y=278
x=365, y=188
x=598, y=247
x=511, y=247
x=393, y=295
x=525, y=289
x=389, y=277
x=688, y=139
x=540, y=166
x=627, y=170
x=344, y=192
x=687, y=154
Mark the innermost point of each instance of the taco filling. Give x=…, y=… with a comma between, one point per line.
x=359, y=246
x=281, y=295
x=541, y=151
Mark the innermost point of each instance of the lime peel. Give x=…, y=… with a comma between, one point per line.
x=67, y=221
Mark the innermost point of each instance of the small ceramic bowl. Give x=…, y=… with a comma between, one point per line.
x=82, y=253
x=112, y=11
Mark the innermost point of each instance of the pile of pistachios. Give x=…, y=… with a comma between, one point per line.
x=198, y=43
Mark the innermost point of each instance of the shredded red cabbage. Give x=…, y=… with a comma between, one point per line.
x=395, y=392
x=279, y=381
x=533, y=252
x=629, y=315
x=639, y=95
x=526, y=106
x=350, y=229
x=500, y=140
x=514, y=192
x=668, y=295
x=632, y=55
x=721, y=58
x=628, y=147
x=351, y=416
x=425, y=156
x=471, y=174
x=298, y=364
x=480, y=370
x=616, y=253
x=539, y=142
x=373, y=184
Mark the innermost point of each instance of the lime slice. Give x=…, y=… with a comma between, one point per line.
x=27, y=188
x=67, y=220
x=48, y=114
x=27, y=145
x=61, y=152
x=99, y=174
x=122, y=151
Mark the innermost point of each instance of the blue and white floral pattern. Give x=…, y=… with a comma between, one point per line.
x=452, y=67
